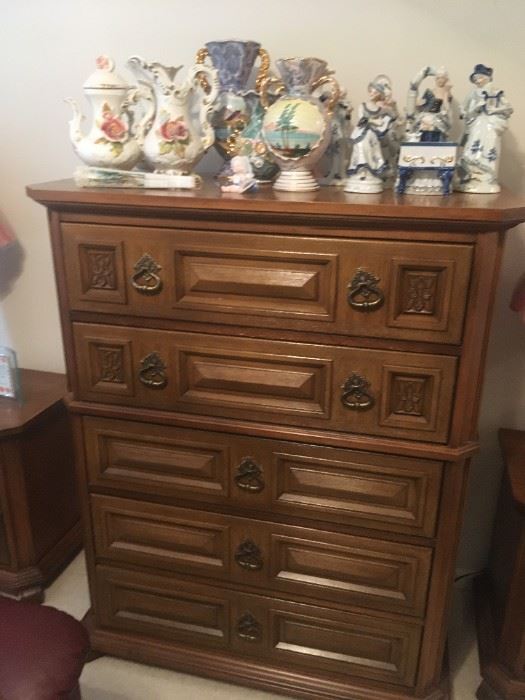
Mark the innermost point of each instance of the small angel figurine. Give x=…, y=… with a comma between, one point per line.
x=486, y=112
x=368, y=165
x=428, y=115
x=241, y=178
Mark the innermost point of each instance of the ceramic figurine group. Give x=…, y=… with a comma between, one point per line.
x=278, y=128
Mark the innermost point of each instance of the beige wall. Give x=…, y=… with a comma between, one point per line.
x=48, y=49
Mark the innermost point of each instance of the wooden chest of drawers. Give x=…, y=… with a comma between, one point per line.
x=275, y=400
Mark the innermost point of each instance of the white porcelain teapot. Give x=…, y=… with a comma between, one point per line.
x=115, y=138
x=175, y=142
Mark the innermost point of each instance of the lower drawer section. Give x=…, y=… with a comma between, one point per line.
x=383, y=492
x=280, y=631
x=284, y=559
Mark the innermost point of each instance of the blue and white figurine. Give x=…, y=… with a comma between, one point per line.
x=486, y=112
x=368, y=166
x=428, y=114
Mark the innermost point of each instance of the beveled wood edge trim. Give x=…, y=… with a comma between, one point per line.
x=497, y=683
x=391, y=208
x=266, y=333
x=512, y=444
x=364, y=443
x=24, y=583
x=247, y=672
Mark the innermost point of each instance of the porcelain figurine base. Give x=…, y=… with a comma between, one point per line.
x=367, y=186
x=296, y=181
x=477, y=187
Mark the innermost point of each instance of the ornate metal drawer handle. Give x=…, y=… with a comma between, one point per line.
x=249, y=556
x=356, y=395
x=152, y=371
x=363, y=293
x=145, y=278
x=249, y=476
x=249, y=628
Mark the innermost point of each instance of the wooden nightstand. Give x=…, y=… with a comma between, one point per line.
x=39, y=509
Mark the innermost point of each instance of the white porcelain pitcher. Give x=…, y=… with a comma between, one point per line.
x=175, y=142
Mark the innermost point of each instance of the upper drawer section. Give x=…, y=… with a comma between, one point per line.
x=375, y=392
x=372, y=288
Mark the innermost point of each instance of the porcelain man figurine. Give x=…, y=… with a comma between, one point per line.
x=428, y=115
x=368, y=166
x=486, y=112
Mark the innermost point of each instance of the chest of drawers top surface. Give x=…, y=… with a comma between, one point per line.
x=487, y=211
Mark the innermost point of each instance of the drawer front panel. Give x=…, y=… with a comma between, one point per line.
x=400, y=494
x=283, y=631
x=281, y=558
x=375, y=392
x=5, y=557
x=373, y=288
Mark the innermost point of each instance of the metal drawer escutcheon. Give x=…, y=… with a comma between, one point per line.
x=145, y=278
x=249, y=476
x=363, y=293
x=356, y=395
x=248, y=628
x=249, y=556
x=152, y=371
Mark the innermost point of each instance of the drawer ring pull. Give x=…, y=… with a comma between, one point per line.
x=152, y=371
x=248, y=628
x=355, y=393
x=145, y=278
x=249, y=556
x=249, y=476
x=363, y=292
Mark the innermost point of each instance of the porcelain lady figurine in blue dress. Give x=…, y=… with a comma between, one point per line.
x=486, y=112
x=368, y=165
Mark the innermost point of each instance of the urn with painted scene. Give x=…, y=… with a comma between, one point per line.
x=296, y=128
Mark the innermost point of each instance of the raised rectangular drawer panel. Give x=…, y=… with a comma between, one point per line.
x=280, y=558
x=376, y=392
x=399, y=494
x=418, y=291
x=290, y=633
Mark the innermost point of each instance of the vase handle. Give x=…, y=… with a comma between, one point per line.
x=202, y=55
x=208, y=79
x=264, y=69
x=265, y=87
x=334, y=89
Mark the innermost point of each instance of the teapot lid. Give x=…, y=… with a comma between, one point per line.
x=105, y=78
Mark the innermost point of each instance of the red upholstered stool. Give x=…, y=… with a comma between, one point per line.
x=42, y=652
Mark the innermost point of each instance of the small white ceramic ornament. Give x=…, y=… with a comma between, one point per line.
x=174, y=143
x=368, y=167
x=115, y=139
x=486, y=112
x=241, y=178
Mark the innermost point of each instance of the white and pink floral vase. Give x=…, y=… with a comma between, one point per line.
x=175, y=141
x=115, y=138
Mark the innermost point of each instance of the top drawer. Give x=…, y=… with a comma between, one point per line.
x=371, y=288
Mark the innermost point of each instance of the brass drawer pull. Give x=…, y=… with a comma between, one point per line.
x=356, y=395
x=145, y=278
x=248, y=628
x=249, y=476
x=152, y=371
x=249, y=556
x=363, y=293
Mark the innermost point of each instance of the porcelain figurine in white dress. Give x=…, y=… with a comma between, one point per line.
x=368, y=166
x=486, y=112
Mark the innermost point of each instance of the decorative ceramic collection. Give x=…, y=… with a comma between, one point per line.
x=153, y=133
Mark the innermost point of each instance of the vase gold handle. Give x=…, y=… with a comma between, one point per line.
x=335, y=91
x=202, y=55
x=266, y=84
x=264, y=69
